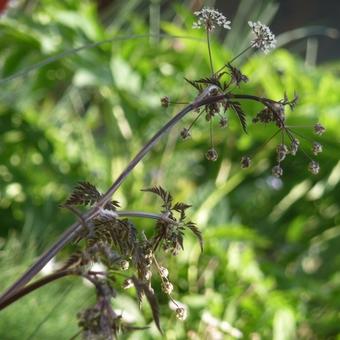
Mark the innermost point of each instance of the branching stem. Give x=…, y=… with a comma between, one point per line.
x=74, y=229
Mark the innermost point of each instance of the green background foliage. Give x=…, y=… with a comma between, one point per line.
x=270, y=267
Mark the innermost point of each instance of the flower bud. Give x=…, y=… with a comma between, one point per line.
x=167, y=287
x=319, y=129
x=277, y=171
x=314, y=167
x=317, y=148
x=165, y=101
x=181, y=313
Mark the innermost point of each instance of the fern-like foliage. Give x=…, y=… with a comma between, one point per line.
x=119, y=234
x=164, y=195
x=236, y=106
x=170, y=234
x=118, y=245
x=236, y=76
x=86, y=194
x=193, y=227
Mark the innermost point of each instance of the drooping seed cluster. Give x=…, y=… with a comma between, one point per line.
x=274, y=112
x=283, y=150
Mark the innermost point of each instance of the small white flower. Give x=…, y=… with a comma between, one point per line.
x=210, y=18
x=264, y=38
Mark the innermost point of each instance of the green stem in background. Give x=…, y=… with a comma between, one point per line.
x=244, y=51
x=209, y=50
x=67, y=53
x=237, y=56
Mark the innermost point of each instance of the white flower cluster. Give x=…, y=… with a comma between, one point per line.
x=264, y=38
x=210, y=18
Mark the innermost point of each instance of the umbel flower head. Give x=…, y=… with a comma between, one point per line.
x=209, y=19
x=219, y=85
x=264, y=38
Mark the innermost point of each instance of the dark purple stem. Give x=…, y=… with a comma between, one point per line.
x=19, y=293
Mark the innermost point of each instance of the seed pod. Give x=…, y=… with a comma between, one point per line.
x=165, y=101
x=167, y=287
x=211, y=155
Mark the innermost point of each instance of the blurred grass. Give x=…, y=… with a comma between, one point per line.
x=270, y=267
